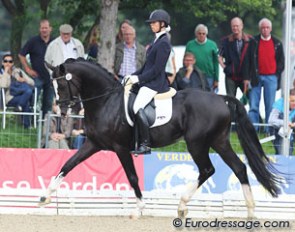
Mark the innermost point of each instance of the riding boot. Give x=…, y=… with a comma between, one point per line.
x=143, y=131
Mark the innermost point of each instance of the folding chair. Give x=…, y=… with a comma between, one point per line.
x=6, y=109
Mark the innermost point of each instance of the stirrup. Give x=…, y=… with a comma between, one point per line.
x=143, y=149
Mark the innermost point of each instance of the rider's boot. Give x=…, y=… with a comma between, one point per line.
x=144, y=136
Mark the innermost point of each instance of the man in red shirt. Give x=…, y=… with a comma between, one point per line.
x=269, y=64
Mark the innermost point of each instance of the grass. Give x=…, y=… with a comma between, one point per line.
x=180, y=146
x=15, y=136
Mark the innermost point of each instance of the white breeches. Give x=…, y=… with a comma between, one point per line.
x=144, y=96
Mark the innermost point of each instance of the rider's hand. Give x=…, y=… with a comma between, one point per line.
x=133, y=78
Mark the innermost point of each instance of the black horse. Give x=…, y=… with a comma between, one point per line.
x=202, y=119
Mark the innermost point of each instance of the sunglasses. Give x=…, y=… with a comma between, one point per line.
x=8, y=61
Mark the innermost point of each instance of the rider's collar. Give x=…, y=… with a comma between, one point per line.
x=158, y=34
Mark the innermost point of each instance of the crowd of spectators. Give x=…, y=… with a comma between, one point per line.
x=250, y=63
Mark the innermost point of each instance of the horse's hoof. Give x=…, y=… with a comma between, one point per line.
x=182, y=213
x=44, y=201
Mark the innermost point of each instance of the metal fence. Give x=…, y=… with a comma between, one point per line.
x=46, y=129
x=15, y=136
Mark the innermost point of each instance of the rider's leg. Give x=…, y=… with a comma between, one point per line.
x=144, y=137
x=144, y=96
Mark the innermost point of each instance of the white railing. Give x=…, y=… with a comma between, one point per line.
x=121, y=203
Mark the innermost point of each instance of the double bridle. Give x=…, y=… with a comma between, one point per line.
x=76, y=99
x=73, y=99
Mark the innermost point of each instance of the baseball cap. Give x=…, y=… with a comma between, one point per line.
x=65, y=28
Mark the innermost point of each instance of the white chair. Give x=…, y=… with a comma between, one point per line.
x=6, y=109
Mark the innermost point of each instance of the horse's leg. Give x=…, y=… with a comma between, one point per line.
x=200, y=155
x=224, y=149
x=129, y=168
x=87, y=149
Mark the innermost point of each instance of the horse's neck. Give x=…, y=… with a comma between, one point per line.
x=99, y=100
x=95, y=87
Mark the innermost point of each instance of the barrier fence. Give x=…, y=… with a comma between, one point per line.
x=15, y=136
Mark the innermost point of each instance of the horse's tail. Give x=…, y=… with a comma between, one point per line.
x=261, y=166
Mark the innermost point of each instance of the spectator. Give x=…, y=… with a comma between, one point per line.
x=276, y=120
x=206, y=54
x=170, y=68
x=78, y=131
x=235, y=58
x=64, y=47
x=189, y=76
x=125, y=23
x=269, y=65
x=60, y=129
x=129, y=55
x=151, y=78
x=19, y=87
x=36, y=48
x=93, y=44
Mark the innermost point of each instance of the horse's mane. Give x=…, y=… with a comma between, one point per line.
x=82, y=60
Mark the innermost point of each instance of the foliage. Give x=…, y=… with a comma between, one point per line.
x=80, y=14
x=186, y=14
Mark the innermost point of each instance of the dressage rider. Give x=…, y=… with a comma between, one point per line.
x=151, y=78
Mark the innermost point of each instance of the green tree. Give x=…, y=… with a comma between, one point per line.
x=186, y=14
x=17, y=10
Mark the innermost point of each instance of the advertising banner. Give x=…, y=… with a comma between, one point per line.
x=175, y=172
x=33, y=169
x=161, y=171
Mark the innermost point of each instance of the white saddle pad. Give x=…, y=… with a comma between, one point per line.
x=163, y=111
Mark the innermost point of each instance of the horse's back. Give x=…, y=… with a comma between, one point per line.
x=198, y=101
x=205, y=109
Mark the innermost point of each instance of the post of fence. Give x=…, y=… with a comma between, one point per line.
x=39, y=130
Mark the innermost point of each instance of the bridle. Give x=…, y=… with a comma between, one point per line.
x=73, y=100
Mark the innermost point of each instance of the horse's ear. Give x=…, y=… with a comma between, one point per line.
x=49, y=66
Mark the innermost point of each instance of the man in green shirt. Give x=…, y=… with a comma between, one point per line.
x=206, y=54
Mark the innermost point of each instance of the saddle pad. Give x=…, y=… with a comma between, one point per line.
x=163, y=111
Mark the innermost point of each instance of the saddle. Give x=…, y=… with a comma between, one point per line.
x=158, y=111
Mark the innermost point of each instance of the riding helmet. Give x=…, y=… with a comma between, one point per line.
x=159, y=15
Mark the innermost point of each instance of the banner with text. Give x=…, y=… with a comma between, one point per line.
x=34, y=168
x=175, y=172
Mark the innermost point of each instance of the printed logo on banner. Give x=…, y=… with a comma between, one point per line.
x=174, y=172
x=34, y=168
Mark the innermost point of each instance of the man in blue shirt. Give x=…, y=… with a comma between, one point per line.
x=36, y=48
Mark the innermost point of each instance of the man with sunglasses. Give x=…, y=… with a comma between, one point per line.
x=206, y=55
